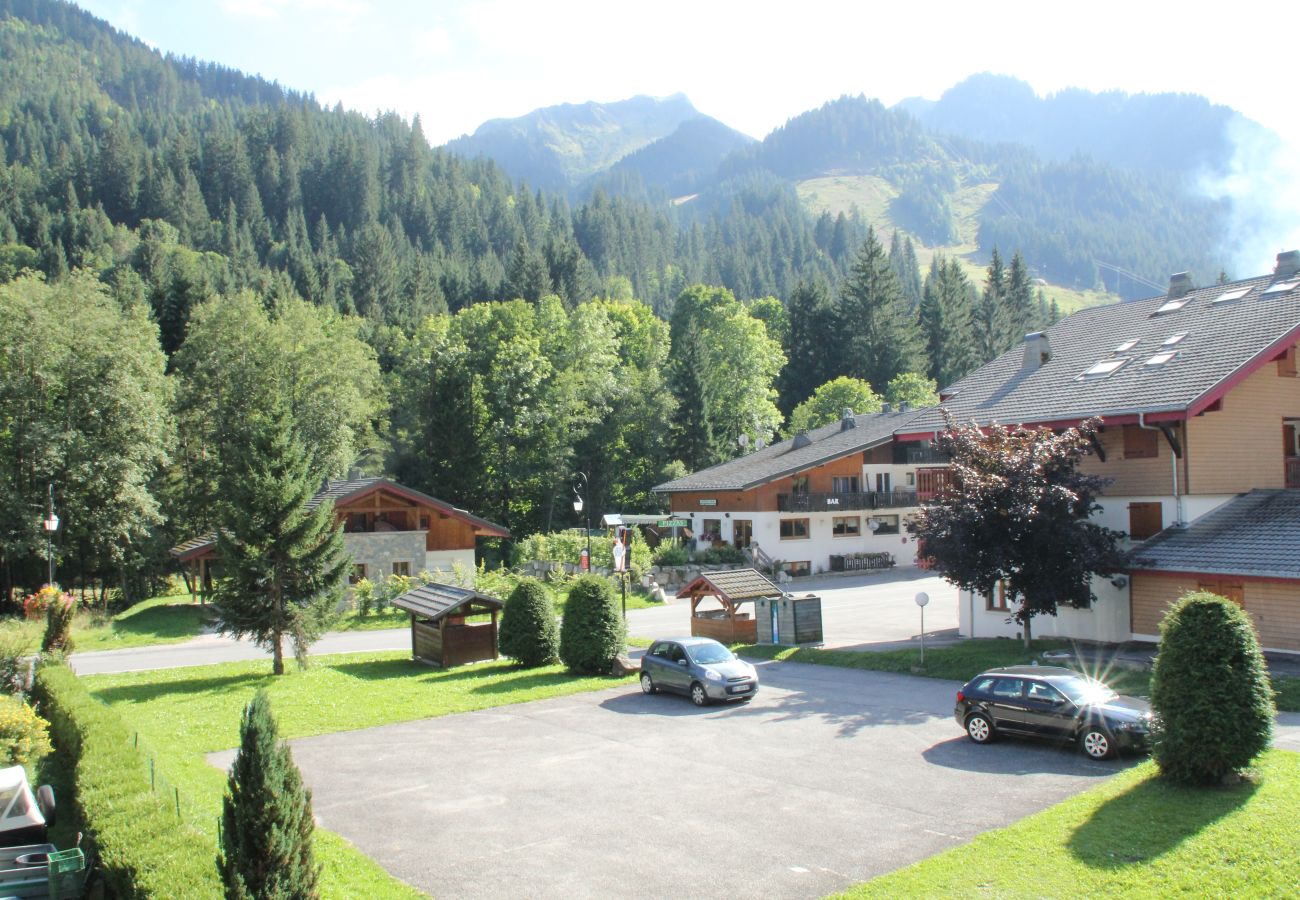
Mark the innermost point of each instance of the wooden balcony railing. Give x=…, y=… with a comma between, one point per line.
x=1293, y=471
x=833, y=502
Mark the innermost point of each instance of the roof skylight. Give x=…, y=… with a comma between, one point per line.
x=1228, y=296
x=1127, y=345
x=1280, y=287
x=1175, y=304
x=1161, y=358
x=1104, y=368
x=1174, y=338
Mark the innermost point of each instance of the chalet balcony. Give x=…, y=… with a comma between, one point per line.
x=834, y=502
x=1293, y=471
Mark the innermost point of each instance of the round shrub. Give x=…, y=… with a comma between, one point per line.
x=528, y=632
x=1210, y=691
x=24, y=736
x=593, y=633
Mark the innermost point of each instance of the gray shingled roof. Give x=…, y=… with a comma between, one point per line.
x=1221, y=339
x=1253, y=534
x=780, y=459
x=433, y=601
x=733, y=585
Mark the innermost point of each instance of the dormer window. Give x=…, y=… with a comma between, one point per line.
x=1161, y=358
x=1174, y=339
x=1173, y=305
x=1281, y=287
x=1126, y=346
x=1103, y=369
x=1229, y=296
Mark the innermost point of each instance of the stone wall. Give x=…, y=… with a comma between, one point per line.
x=378, y=550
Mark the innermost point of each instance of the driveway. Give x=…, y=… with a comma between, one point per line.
x=864, y=612
x=827, y=778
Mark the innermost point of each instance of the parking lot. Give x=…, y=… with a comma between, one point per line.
x=827, y=778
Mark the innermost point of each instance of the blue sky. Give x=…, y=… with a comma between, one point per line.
x=752, y=64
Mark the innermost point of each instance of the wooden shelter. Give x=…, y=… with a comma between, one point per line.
x=440, y=630
x=730, y=588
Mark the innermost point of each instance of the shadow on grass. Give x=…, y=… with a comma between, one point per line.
x=387, y=669
x=172, y=621
x=143, y=693
x=1150, y=819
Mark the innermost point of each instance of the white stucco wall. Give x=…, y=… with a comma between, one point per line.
x=445, y=560
x=1114, y=510
x=1107, y=621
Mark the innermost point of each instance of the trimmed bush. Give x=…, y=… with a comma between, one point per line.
x=266, y=820
x=1210, y=691
x=593, y=632
x=672, y=555
x=528, y=632
x=725, y=555
x=58, y=625
x=145, y=851
x=24, y=736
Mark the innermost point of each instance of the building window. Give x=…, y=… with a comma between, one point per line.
x=797, y=568
x=1141, y=443
x=911, y=479
x=424, y=523
x=884, y=482
x=883, y=524
x=799, y=484
x=358, y=573
x=711, y=531
x=846, y=526
x=997, y=601
x=1144, y=520
x=844, y=484
x=794, y=529
x=402, y=567
x=1286, y=363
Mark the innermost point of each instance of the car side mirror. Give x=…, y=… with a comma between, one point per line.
x=681, y=662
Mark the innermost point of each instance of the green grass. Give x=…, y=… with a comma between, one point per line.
x=183, y=714
x=160, y=620
x=1137, y=835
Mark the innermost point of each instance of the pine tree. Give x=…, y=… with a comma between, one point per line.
x=873, y=313
x=988, y=317
x=812, y=345
x=902, y=256
x=284, y=564
x=266, y=817
x=946, y=321
x=1019, y=316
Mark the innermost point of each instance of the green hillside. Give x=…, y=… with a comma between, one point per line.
x=871, y=195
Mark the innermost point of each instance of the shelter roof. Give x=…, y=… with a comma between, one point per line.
x=732, y=585
x=433, y=601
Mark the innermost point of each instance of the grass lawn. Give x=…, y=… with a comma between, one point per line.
x=967, y=659
x=183, y=714
x=159, y=620
x=1137, y=835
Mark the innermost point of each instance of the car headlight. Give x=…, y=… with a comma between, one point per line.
x=1131, y=726
x=712, y=675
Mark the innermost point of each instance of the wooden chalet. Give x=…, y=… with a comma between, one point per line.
x=441, y=633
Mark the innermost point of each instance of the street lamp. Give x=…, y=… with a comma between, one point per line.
x=922, y=598
x=578, y=505
x=51, y=525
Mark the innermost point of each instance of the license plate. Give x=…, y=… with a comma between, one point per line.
x=742, y=689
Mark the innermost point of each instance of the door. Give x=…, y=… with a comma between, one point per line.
x=1007, y=704
x=1047, y=712
x=742, y=531
x=1233, y=590
x=677, y=676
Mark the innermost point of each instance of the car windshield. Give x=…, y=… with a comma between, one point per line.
x=1085, y=691
x=704, y=654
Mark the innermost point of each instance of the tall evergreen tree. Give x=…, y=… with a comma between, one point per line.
x=902, y=256
x=266, y=818
x=988, y=318
x=882, y=333
x=812, y=344
x=946, y=320
x=1020, y=314
x=284, y=564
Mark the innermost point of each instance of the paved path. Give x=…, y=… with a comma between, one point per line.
x=865, y=612
x=829, y=777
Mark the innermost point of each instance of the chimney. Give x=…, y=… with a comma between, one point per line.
x=1180, y=284
x=1288, y=264
x=801, y=440
x=847, y=420
x=1037, y=351
x=904, y=406
x=886, y=408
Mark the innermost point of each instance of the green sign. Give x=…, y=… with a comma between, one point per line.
x=672, y=523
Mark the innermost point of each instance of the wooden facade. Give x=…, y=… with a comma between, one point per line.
x=1273, y=604
x=441, y=633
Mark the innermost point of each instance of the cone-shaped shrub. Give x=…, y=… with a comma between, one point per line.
x=266, y=820
x=593, y=632
x=1210, y=691
x=528, y=633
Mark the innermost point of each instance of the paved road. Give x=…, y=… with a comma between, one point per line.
x=827, y=778
x=863, y=611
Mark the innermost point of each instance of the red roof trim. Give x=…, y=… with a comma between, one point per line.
x=1260, y=359
x=1126, y=419
x=1169, y=573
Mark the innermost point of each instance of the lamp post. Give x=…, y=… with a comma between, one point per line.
x=51, y=525
x=578, y=505
x=922, y=598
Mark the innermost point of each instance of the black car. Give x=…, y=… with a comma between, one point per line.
x=1054, y=703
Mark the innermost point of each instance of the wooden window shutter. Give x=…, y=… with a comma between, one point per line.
x=1141, y=443
x=1144, y=520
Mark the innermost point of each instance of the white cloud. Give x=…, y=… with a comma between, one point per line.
x=345, y=10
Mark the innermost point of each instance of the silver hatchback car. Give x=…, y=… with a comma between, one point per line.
x=698, y=667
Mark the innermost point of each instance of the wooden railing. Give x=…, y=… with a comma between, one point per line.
x=832, y=502
x=932, y=482
x=1293, y=471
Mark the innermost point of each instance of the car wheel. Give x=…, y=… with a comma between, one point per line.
x=45, y=803
x=648, y=684
x=698, y=695
x=1096, y=742
x=979, y=729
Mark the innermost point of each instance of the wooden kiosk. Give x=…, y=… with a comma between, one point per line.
x=440, y=632
x=730, y=588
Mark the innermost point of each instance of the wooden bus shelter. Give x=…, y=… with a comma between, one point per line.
x=731, y=588
x=440, y=630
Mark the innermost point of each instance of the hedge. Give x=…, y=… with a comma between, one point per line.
x=143, y=849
